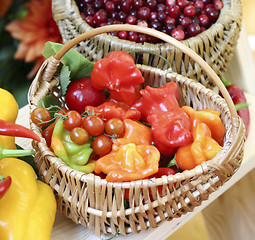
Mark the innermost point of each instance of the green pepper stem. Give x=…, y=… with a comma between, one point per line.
x=225, y=82
x=240, y=106
x=1, y=177
x=15, y=152
x=172, y=162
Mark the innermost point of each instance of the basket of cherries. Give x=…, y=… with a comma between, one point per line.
x=209, y=27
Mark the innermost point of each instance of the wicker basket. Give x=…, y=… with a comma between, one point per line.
x=99, y=205
x=215, y=45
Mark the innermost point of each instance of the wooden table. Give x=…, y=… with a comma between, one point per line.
x=242, y=72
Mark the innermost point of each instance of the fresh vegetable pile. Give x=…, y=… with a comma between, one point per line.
x=120, y=130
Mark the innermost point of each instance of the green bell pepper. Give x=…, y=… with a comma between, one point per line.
x=74, y=155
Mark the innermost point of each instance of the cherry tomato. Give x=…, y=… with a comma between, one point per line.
x=94, y=125
x=73, y=120
x=114, y=126
x=62, y=111
x=79, y=135
x=102, y=145
x=40, y=116
x=80, y=93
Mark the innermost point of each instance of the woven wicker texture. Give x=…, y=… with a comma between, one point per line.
x=99, y=205
x=215, y=45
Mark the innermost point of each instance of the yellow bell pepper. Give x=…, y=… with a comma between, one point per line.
x=9, y=112
x=211, y=118
x=202, y=149
x=28, y=208
x=9, y=107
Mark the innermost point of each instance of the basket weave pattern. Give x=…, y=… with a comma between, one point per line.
x=99, y=205
x=215, y=45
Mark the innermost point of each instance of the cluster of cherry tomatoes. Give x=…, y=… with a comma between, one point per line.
x=82, y=127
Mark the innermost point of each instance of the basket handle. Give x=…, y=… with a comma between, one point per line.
x=149, y=31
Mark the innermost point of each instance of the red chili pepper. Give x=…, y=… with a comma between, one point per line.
x=238, y=97
x=4, y=185
x=16, y=130
x=47, y=133
x=118, y=73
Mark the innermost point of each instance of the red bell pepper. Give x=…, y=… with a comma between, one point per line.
x=111, y=109
x=170, y=125
x=4, y=185
x=170, y=130
x=162, y=171
x=238, y=97
x=154, y=100
x=16, y=130
x=118, y=73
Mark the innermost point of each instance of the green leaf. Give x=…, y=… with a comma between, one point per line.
x=64, y=78
x=79, y=66
x=172, y=162
x=49, y=102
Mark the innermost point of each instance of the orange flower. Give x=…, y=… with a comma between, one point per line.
x=34, y=31
x=4, y=6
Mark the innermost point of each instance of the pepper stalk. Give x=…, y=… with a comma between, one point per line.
x=4, y=153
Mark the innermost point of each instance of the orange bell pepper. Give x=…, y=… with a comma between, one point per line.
x=129, y=162
x=202, y=149
x=135, y=132
x=132, y=157
x=211, y=118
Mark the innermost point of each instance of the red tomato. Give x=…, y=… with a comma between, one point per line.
x=102, y=145
x=40, y=116
x=114, y=126
x=73, y=120
x=80, y=93
x=79, y=135
x=94, y=125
